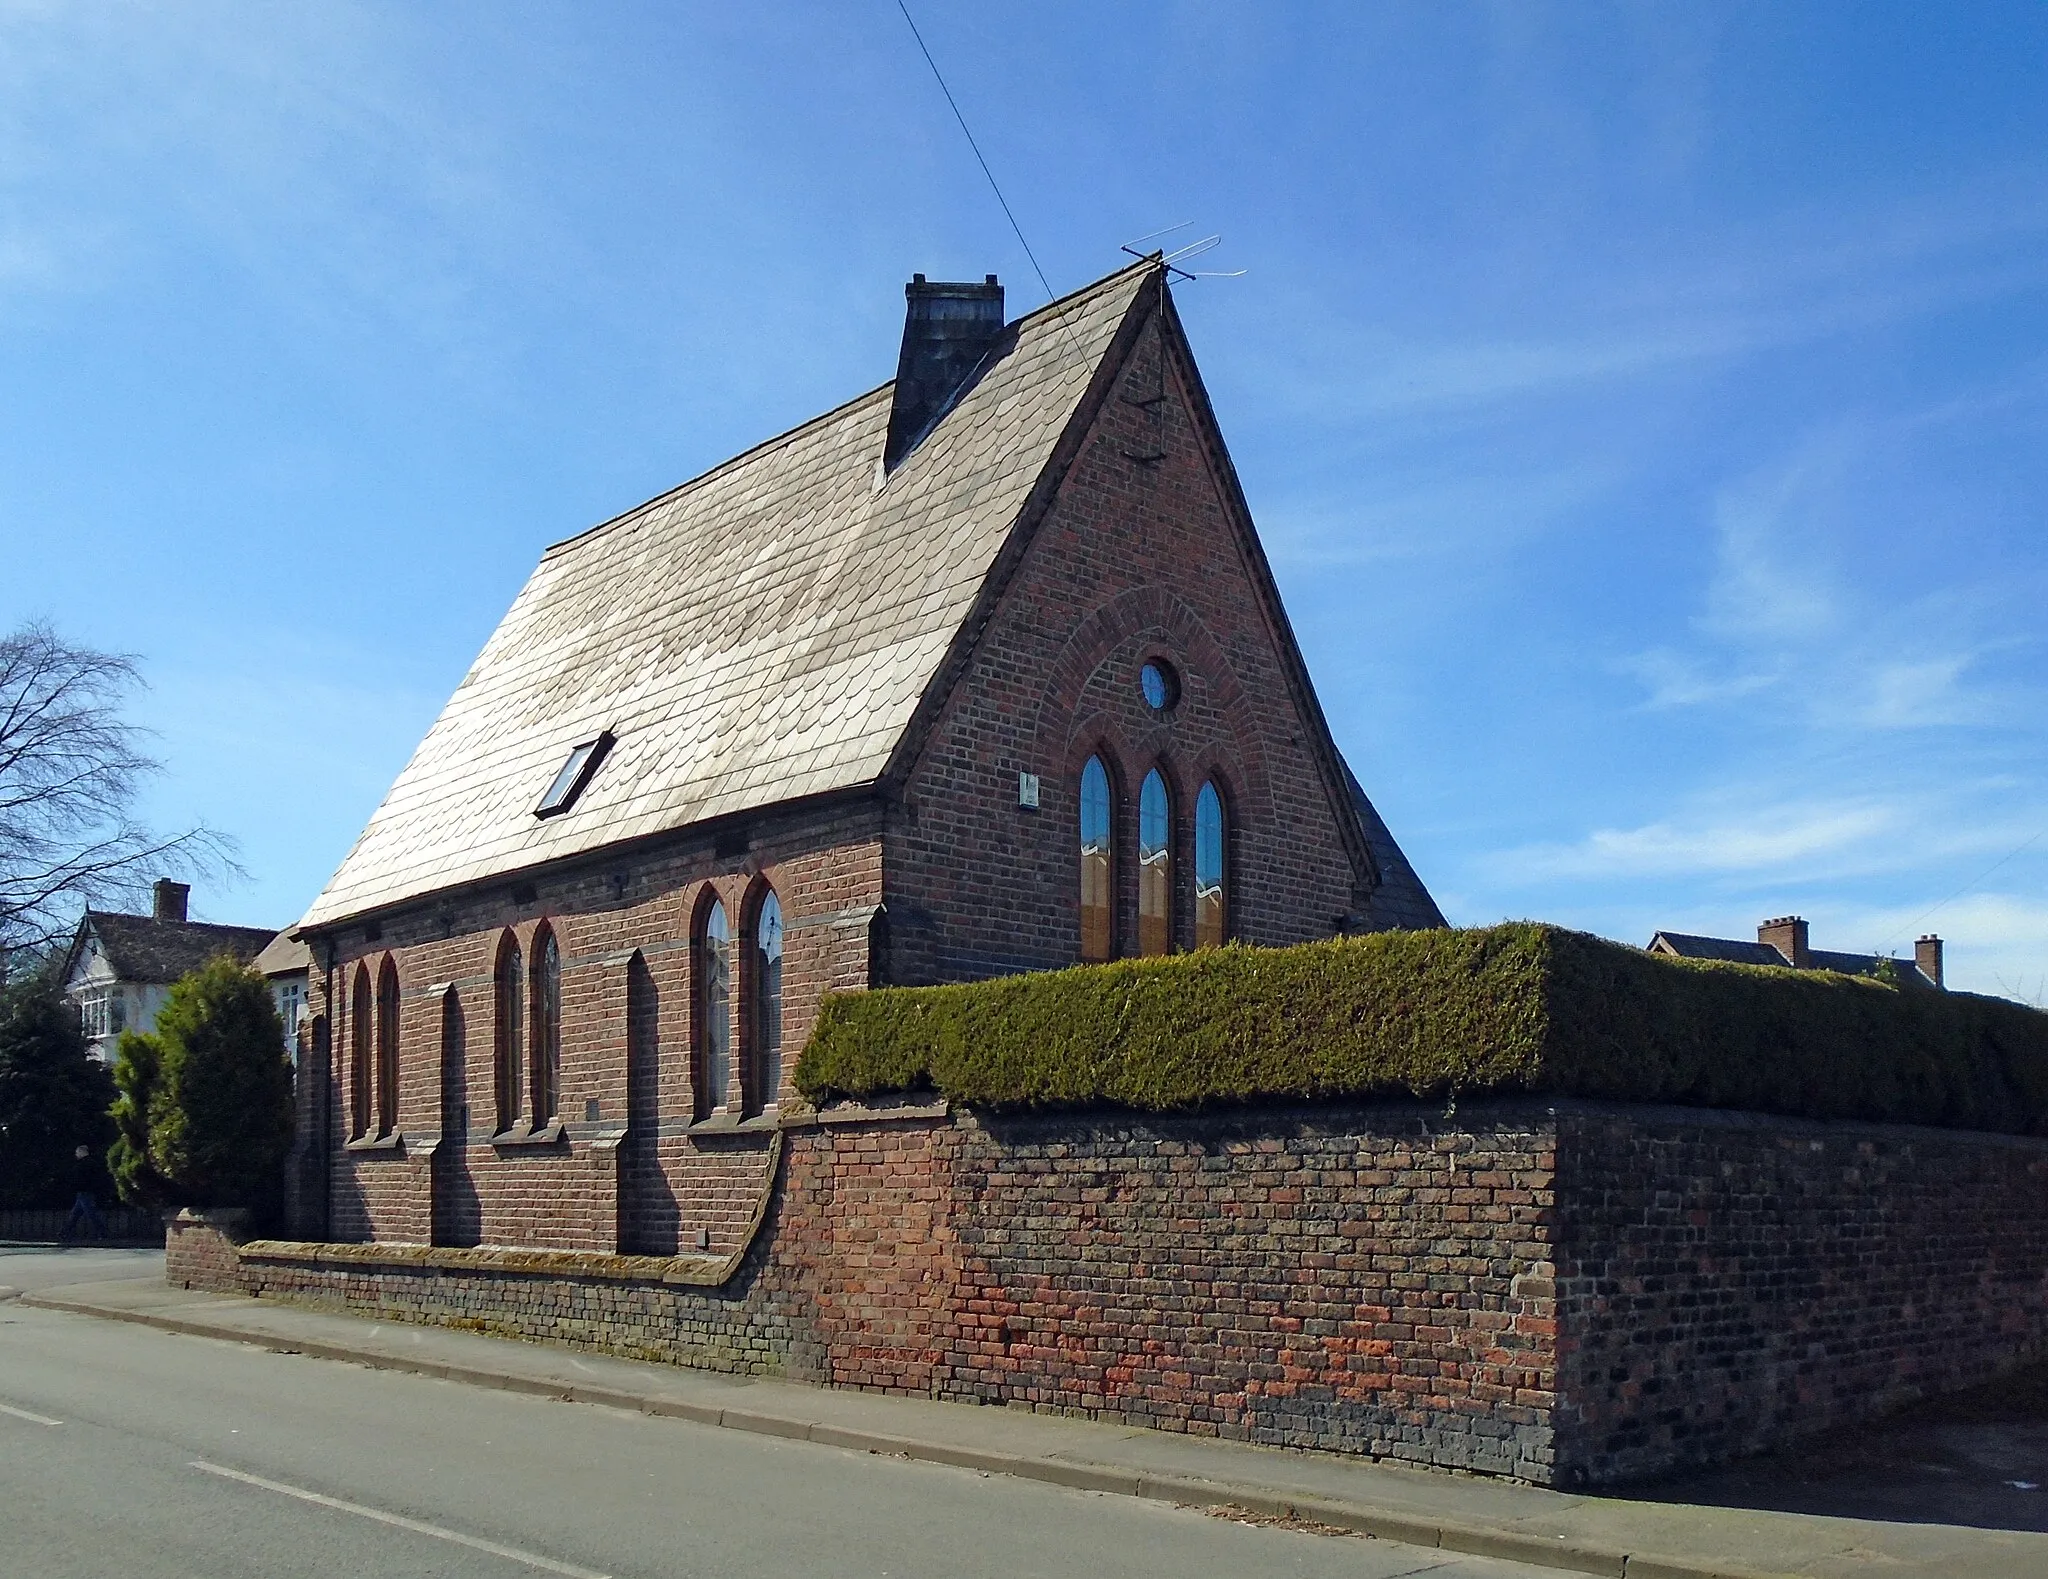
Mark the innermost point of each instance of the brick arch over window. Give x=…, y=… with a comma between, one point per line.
x=508, y=1029
x=544, y=1034
x=360, y=1021
x=759, y=948
x=1142, y=619
x=389, y=1010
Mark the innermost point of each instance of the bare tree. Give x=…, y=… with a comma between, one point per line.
x=70, y=771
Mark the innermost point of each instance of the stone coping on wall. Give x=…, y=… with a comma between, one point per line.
x=882, y=1109
x=494, y=1258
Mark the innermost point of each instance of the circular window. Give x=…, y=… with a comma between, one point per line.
x=1160, y=685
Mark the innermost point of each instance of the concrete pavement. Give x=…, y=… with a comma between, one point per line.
x=1642, y=1539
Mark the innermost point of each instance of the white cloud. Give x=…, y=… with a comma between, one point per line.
x=1769, y=583
x=1677, y=680
x=1467, y=518
x=1767, y=840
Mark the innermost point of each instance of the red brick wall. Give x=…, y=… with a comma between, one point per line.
x=1362, y=1281
x=199, y=1249
x=1136, y=559
x=633, y=1166
x=1731, y=1282
x=1585, y=1295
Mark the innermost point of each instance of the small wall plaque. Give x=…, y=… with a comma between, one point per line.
x=1027, y=791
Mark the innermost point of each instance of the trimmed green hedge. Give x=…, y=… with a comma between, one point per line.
x=1514, y=1008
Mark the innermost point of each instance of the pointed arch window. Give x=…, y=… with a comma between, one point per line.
x=765, y=1027
x=359, y=1108
x=1098, y=864
x=1212, y=855
x=387, y=1047
x=1155, y=865
x=547, y=1027
x=509, y=991
x=714, y=1007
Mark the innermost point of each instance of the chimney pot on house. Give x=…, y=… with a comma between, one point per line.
x=1927, y=955
x=947, y=327
x=1787, y=934
x=171, y=898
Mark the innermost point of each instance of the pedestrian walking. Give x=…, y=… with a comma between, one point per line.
x=85, y=1204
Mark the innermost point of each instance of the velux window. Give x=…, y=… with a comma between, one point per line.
x=576, y=772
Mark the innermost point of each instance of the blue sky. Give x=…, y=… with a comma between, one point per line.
x=1642, y=405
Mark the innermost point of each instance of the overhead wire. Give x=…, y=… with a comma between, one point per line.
x=1974, y=883
x=971, y=143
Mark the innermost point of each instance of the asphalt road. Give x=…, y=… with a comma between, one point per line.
x=27, y=1267
x=131, y=1452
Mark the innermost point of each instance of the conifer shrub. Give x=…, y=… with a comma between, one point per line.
x=1518, y=1008
x=53, y=1097
x=220, y=1115
x=138, y=1061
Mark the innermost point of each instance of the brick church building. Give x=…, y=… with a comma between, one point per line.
x=983, y=671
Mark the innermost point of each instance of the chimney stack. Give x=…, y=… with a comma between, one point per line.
x=1787, y=934
x=947, y=327
x=170, y=899
x=1927, y=955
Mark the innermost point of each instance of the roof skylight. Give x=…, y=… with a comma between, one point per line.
x=576, y=772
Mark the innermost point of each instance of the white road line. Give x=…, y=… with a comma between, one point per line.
x=23, y=1414
x=399, y=1521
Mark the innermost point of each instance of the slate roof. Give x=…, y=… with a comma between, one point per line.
x=144, y=949
x=1688, y=945
x=1400, y=900
x=760, y=634
x=284, y=955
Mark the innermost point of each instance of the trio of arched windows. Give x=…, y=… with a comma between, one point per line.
x=1158, y=889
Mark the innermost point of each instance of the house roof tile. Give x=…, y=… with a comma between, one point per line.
x=144, y=949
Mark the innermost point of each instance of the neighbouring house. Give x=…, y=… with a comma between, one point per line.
x=119, y=968
x=983, y=671
x=286, y=963
x=1783, y=941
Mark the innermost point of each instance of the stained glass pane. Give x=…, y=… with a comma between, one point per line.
x=511, y=1040
x=768, y=998
x=1210, y=917
x=715, y=974
x=387, y=1050
x=359, y=1054
x=547, y=1030
x=1155, y=866
x=1098, y=894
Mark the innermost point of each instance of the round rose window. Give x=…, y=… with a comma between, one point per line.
x=1160, y=685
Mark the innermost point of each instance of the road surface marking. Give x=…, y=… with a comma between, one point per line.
x=399, y=1521
x=23, y=1414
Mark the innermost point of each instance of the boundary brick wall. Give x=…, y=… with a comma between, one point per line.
x=1136, y=558
x=1569, y=1294
x=1729, y=1282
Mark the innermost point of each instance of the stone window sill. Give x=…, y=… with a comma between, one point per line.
x=733, y=1124
x=546, y=1135
x=391, y=1140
